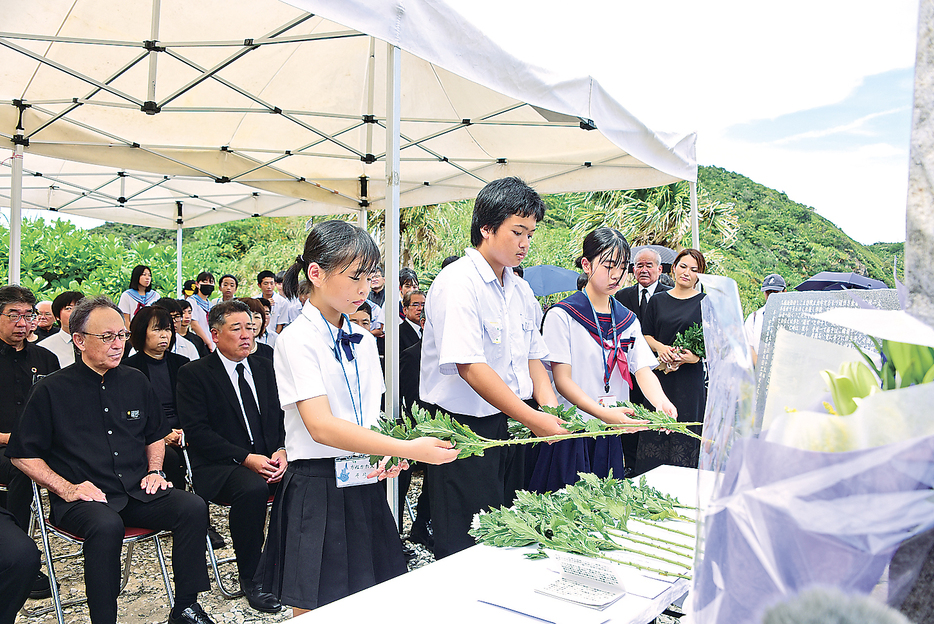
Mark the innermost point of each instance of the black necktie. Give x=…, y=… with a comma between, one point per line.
x=642, y=304
x=252, y=412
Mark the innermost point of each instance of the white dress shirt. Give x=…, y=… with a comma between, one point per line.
x=231, y=367
x=185, y=347
x=60, y=344
x=471, y=318
x=306, y=368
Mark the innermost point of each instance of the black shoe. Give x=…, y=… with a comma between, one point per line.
x=258, y=599
x=41, y=588
x=193, y=614
x=217, y=542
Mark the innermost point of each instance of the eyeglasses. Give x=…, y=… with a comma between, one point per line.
x=109, y=337
x=46, y=314
x=16, y=316
x=417, y=305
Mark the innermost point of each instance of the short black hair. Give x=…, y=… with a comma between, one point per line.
x=138, y=273
x=263, y=275
x=183, y=304
x=170, y=305
x=65, y=299
x=219, y=313
x=449, y=260
x=204, y=276
x=365, y=307
x=280, y=277
x=407, y=276
x=499, y=200
x=139, y=326
x=233, y=277
x=16, y=294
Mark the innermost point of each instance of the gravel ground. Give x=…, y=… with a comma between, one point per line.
x=144, y=601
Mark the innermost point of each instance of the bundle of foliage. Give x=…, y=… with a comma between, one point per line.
x=591, y=518
x=691, y=339
x=442, y=426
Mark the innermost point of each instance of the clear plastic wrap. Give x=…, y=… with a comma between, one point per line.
x=781, y=513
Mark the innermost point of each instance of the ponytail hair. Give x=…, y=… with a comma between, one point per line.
x=333, y=246
x=605, y=245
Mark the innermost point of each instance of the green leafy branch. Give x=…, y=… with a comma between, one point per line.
x=441, y=425
x=691, y=339
x=589, y=518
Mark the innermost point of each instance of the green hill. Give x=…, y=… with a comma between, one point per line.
x=778, y=235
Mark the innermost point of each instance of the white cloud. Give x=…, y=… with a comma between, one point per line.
x=857, y=126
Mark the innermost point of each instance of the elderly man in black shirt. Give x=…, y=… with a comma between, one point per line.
x=22, y=363
x=93, y=435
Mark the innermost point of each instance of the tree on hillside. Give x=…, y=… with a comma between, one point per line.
x=655, y=216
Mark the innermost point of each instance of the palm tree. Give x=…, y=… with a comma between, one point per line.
x=655, y=216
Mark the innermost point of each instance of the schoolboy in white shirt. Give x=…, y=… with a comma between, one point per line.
x=481, y=359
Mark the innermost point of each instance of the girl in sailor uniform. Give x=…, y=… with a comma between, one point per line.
x=331, y=532
x=596, y=348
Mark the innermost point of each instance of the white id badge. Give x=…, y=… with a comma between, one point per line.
x=607, y=400
x=351, y=471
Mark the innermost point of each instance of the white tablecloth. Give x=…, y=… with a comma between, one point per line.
x=449, y=589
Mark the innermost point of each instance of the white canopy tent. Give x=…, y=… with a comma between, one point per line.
x=346, y=104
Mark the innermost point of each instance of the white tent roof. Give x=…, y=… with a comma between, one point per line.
x=148, y=199
x=291, y=103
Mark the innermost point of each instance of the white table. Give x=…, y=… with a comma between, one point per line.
x=448, y=590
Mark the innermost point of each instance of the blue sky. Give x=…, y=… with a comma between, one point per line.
x=810, y=97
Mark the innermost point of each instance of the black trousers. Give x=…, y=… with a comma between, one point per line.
x=19, y=490
x=247, y=493
x=19, y=565
x=462, y=488
x=102, y=528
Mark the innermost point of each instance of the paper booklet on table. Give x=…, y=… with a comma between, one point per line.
x=584, y=581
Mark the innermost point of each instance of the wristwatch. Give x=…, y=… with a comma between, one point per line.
x=156, y=472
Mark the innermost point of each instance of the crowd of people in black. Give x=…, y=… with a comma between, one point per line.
x=272, y=398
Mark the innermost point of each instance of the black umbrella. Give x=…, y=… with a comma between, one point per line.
x=830, y=280
x=667, y=255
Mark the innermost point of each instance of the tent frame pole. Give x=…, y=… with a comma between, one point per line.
x=178, y=252
x=695, y=231
x=16, y=205
x=391, y=241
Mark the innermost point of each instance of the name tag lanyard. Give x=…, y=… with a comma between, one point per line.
x=358, y=413
x=604, y=357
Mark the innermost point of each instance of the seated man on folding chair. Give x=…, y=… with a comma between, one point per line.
x=228, y=405
x=93, y=435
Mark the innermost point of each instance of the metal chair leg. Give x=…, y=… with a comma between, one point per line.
x=165, y=573
x=215, y=562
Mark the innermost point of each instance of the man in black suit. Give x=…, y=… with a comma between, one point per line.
x=410, y=329
x=228, y=405
x=647, y=267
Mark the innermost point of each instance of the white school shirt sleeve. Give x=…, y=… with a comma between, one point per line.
x=557, y=336
x=126, y=305
x=458, y=327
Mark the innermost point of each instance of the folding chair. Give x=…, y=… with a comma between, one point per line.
x=212, y=556
x=131, y=536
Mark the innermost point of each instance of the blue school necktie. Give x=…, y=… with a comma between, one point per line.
x=345, y=339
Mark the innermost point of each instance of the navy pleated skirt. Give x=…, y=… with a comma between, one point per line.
x=325, y=542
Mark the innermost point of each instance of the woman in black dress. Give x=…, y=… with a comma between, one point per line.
x=667, y=314
x=152, y=334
